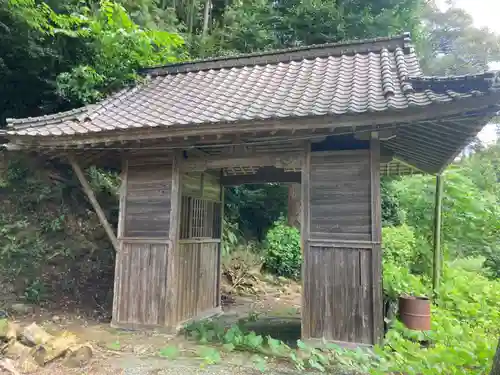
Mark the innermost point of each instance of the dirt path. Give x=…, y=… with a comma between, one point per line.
x=121, y=352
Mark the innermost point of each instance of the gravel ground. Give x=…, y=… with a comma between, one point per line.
x=130, y=365
x=190, y=367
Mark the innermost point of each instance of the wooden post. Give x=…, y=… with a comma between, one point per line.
x=376, y=235
x=172, y=257
x=436, y=269
x=221, y=243
x=294, y=205
x=305, y=225
x=95, y=204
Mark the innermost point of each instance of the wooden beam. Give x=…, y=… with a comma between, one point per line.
x=281, y=159
x=93, y=201
x=263, y=175
x=376, y=237
x=436, y=267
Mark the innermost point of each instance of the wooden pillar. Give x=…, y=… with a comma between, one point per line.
x=436, y=268
x=341, y=232
x=305, y=224
x=172, y=257
x=120, y=234
x=376, y=234
x=294, y=205
x=218, y=301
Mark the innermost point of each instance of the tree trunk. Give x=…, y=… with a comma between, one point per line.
x=294, y=205
x=206, y=17
x=495, y=369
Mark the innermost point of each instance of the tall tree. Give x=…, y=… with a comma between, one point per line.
x=451, y=44
x=253, y=25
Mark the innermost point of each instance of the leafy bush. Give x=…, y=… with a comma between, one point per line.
x=231, y=237
x=470, y=213
x=283, y=250
x=398, y=280
x=492, y=263
x=403, y=247
x=255, y=207
x=465, y=326
x=391, y=212
x=463, y=338
x=51, y=244
x=399, y=245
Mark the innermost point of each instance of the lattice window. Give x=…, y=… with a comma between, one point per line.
x=200, y=218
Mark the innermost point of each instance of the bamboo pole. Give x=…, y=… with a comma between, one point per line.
x=95, y=204
x=436, y=269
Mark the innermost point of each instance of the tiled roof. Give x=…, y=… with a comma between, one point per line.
x=341, y=79
x=335, y=79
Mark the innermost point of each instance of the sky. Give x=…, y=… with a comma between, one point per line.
x=486, y=13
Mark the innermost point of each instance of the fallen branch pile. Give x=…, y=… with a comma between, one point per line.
x=32, y=347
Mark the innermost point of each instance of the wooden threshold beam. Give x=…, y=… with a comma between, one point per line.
x=93, y=200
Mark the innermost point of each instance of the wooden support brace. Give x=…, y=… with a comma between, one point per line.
x=95, y=204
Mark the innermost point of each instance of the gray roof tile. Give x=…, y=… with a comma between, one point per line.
x=335, y=79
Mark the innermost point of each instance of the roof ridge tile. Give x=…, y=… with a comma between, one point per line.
x=350, y=47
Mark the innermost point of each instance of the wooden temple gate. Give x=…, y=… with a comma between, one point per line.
x=168, y=266
x=331, y=117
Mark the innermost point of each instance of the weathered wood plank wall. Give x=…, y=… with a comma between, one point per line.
x=141, y=278
x=197, y=273
x=340, y=195
x=147, y=205
x=141, y=292
x=197, y=259
x=341, y=272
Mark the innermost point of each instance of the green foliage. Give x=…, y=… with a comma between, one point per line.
x=403, y=248
x=465, y=327
x=398, y=280
x=255, y=208
x=399, y=245
x=115, y=45
x=235, y=337
x=283, y=250
x=231, y=237
x=452, y=44
x=391, y=212
x=256, y=25
x=50, y=242
x=170, y=352
x=470, y=213
x=36, y=291
x=115, y=345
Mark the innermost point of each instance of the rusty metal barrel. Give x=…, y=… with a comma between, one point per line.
x=415, y=312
